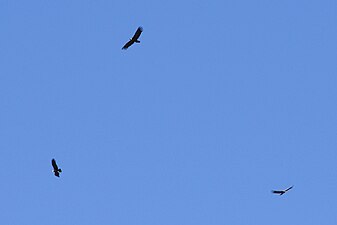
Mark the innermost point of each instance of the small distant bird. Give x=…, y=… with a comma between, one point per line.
x=281, y=192
x=56, y=169
x=134, y=38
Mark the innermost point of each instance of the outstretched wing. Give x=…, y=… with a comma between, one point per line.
x=53, y=162
x=137, y=34
x=128, y=44
x=289, y=188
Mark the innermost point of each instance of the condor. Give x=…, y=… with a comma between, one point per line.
x=134, y=38
x=56, y=169
x=281, y=192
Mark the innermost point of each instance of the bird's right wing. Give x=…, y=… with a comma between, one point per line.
x=128, y=44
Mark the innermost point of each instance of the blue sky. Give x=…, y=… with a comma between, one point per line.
x=221, y=102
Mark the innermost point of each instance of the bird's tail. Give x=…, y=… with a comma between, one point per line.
x=137, y=41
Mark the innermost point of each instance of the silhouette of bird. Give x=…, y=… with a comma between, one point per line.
x=281, y=192
x=56, y=169
x=133, y=39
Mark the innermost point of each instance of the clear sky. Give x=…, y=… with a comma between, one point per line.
x=221, y=102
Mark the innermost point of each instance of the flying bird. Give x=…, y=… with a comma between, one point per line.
x=281, y=192
x=134, y=38
x=56, y=169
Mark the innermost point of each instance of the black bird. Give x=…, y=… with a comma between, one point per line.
x=281, y=192
x=134, y=38
x=56, y=169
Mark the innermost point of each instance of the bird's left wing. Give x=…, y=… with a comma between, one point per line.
x=137, y=34
x=53, y=162
x=289, y=188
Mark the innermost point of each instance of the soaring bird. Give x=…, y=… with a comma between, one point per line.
x=281, y=192
x=134, y=38
x=56, y=169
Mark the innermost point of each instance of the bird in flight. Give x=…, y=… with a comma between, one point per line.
x=281, y=192
x=133, y=39
x=56, y=169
